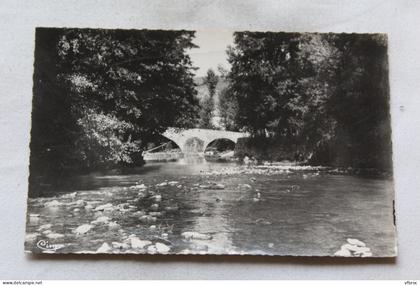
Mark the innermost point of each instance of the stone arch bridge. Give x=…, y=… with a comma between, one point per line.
x=201, y=137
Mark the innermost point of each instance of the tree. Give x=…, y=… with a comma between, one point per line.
x=101, y=95
x=228, y=109
x=326, y=94
x=207, y=103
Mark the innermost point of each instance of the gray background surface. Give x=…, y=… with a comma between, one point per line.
x=400, y=19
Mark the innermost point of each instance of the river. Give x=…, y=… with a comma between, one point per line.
x=202, y=207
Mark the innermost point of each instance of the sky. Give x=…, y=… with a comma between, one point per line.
x=212, y=50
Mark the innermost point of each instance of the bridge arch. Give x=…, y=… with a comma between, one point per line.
x=221, y=143
x=194, y=145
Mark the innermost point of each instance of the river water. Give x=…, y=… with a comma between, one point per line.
x=198, y=207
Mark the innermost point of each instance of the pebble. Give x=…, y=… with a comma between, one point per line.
x=172, y=183
x=162, y=184
x=162, y=248
x=83, y=229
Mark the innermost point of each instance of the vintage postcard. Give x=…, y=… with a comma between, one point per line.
x=210, y=142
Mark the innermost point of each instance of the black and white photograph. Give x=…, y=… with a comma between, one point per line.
x=210, y=142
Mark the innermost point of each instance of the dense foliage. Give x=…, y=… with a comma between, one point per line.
x=207, y=102
x=101, y=95
x=324, y=96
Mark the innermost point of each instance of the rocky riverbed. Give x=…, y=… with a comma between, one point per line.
x=176, y=208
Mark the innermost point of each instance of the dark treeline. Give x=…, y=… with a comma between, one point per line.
x=101, y=95
x=321, y=98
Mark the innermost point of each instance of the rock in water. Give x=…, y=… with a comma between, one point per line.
x=138, y=243
x=147, y=219
x=80, y=230
x=104, y=248
x=44, y=227
x=70, y=195
x=355, y=242
x=54, y=236
x=88, y=207
x=113, y=226
x=80, y=203
x=138, y=187
x=154, y=207
x=151, y=249
x=138, y=214
x=171, y=209
x=100, y=220
x=53, y=203
x=162, y=248
x=106, y=207
x=157, y=198
x=245, y=186
x=195, y=235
